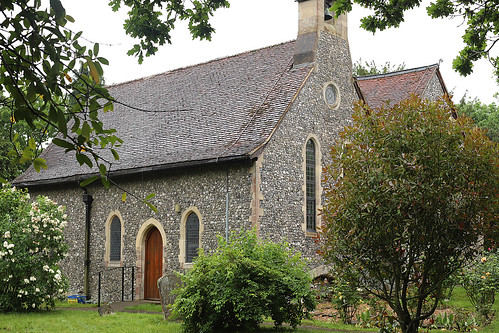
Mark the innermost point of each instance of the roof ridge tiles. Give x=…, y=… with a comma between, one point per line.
x=401, y=72
x=198, y=65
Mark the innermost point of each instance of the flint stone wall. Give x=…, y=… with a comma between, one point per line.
x=203, y=188
x=282, y=172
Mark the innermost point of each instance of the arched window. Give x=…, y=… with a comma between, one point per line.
x=311, y=186
x=115, y=240
x=191, y=237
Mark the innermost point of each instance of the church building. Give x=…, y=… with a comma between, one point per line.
x=227, y=145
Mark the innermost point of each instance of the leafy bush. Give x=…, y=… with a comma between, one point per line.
x=31, y=245
x=244, y=281
x=481, y=282
x=346, y=295
x=395, y=211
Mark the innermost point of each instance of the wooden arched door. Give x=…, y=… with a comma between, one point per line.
x=153, y=266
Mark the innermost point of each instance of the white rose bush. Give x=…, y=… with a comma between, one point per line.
x=31, y=247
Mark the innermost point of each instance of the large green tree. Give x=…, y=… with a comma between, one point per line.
x=44, y=88
x=485, y=116
x=151, y=21
x=408, y=197
x=40, y=85
x=481, y=18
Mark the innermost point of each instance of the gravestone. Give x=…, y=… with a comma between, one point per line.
x=166, y=284
x=105, y=310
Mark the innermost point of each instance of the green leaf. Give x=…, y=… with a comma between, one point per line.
x=94, y=73
x=96, y=49
x=27, y=155
x=32, y=143
x=150, y=196
x=123, y=197
x=103, y=61
x=63, y=144
x=62, y=123
x=78, y=34
x=89, y=181
x=59, y=10
x=39, y=163
x=115, y=154
x=86, y=130
x=151, y=206
x=102, y=169
x=83, y=159
x=3, y=180
x=105, y=182
x=109, y=106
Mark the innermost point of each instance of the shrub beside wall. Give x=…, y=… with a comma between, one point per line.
x=31, y=246
x=244, y=281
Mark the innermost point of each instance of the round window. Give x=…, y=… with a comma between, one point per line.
x=331, y=95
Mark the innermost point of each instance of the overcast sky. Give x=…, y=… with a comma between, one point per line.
x=251, y=24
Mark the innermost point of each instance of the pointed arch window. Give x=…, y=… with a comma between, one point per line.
x=114, y=231
x=191, y=237
x=311, y=186
x=115, y=240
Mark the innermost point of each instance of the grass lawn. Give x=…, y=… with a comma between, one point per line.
x=153, y=307
x=459, y=299
x=84, y=321
x=59, y=321
x=65, y=320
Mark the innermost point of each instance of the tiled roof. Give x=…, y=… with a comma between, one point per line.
x=394, y=87
x=220, y=110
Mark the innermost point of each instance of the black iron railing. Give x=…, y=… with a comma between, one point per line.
x=109, y=274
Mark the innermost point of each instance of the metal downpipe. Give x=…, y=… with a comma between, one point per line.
x=87, y=199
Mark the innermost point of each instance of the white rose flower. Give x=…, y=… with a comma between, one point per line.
x=32, y=278
x=37, y=290
x=6, y=234
x=26, y=281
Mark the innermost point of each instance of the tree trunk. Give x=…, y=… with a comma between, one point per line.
x=411, y=326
